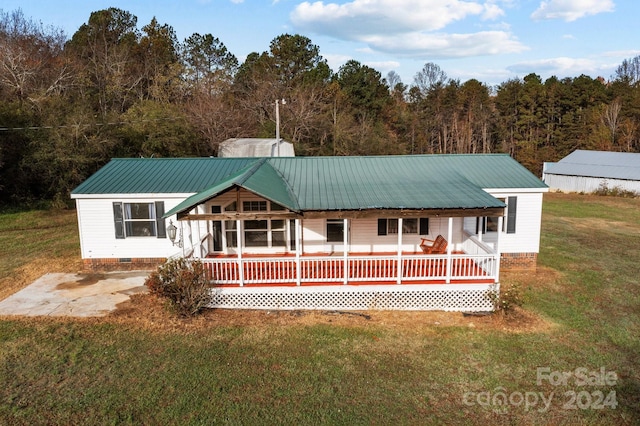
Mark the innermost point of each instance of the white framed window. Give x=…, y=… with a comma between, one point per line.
x=490, y=224
x=409, y=226
x=230, y=233
x=254, y=206
x=335, y=230
x=139, y=219
x=257, y=232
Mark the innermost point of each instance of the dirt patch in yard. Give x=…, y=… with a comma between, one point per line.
x=93, y=278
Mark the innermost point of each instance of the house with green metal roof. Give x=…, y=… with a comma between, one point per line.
x=390, y=232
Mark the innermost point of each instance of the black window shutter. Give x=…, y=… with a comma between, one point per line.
x=512, y=205
x=118, y=220
x=424, y=226
x=382, y=226
x=162, y=231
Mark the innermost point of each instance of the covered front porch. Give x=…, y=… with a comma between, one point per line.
x=459, y=279
x=460, y=267
x=467, y=260
x=268, y=247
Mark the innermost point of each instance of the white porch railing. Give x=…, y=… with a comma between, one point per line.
x=331, y=269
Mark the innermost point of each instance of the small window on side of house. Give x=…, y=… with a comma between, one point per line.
x=335, y=230
x=409, y=226
x=254, y=206
x=490, y=224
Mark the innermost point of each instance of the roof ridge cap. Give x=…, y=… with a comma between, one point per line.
x=286, y=182
x=251, y=170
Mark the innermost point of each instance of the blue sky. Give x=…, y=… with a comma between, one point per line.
x=490, y=40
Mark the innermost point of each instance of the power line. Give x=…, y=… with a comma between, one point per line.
x=77, y=126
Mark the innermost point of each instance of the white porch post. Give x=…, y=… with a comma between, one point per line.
x=399, y=275
x=239, y=248
x=297, y=230
x=199, y=242
x=449, y=249
x=480, y=222
x=498, y=255
x=183, y=239
x=345, y=238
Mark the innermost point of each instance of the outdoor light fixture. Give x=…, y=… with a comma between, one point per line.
x=172, y=231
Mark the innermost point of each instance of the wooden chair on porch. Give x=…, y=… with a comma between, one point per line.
x=437, y=246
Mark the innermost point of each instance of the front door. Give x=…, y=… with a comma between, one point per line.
x=216, y=232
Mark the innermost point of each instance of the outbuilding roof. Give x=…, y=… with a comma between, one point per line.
x=323, y=183
x=598, y=164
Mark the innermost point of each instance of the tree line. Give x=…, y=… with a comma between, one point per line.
x=69, y=105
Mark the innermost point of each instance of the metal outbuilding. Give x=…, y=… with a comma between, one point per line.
x=255, y=147
x=588, y=171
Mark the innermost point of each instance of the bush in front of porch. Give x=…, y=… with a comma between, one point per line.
x=183, y=283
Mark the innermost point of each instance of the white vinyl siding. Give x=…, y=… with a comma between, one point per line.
x=526, y=239
x=97, y=233
x=364, y=238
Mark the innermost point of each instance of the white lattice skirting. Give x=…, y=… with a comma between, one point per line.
x=445, y=297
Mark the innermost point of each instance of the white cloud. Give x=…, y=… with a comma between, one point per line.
x=438, y=46
x=570, y=10
x=500, y=26
x=366, y=50
x=489, y=76
x=335, y=61
x=408, y=27
x=561, y=67
x=492, y=11
x=383, y=66
x=624, y=54
x=358, y=17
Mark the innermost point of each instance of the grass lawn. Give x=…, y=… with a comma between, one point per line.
x=142, y=366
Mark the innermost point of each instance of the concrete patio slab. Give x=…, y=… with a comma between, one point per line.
x=77, y=295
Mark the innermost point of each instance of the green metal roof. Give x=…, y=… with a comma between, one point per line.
x=258, y=177
x=323, y=183
x=159, y=175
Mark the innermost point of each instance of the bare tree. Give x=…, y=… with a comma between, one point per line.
x=32, y=64
x=629, y=71
x=430, y=77
x=610, y=118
